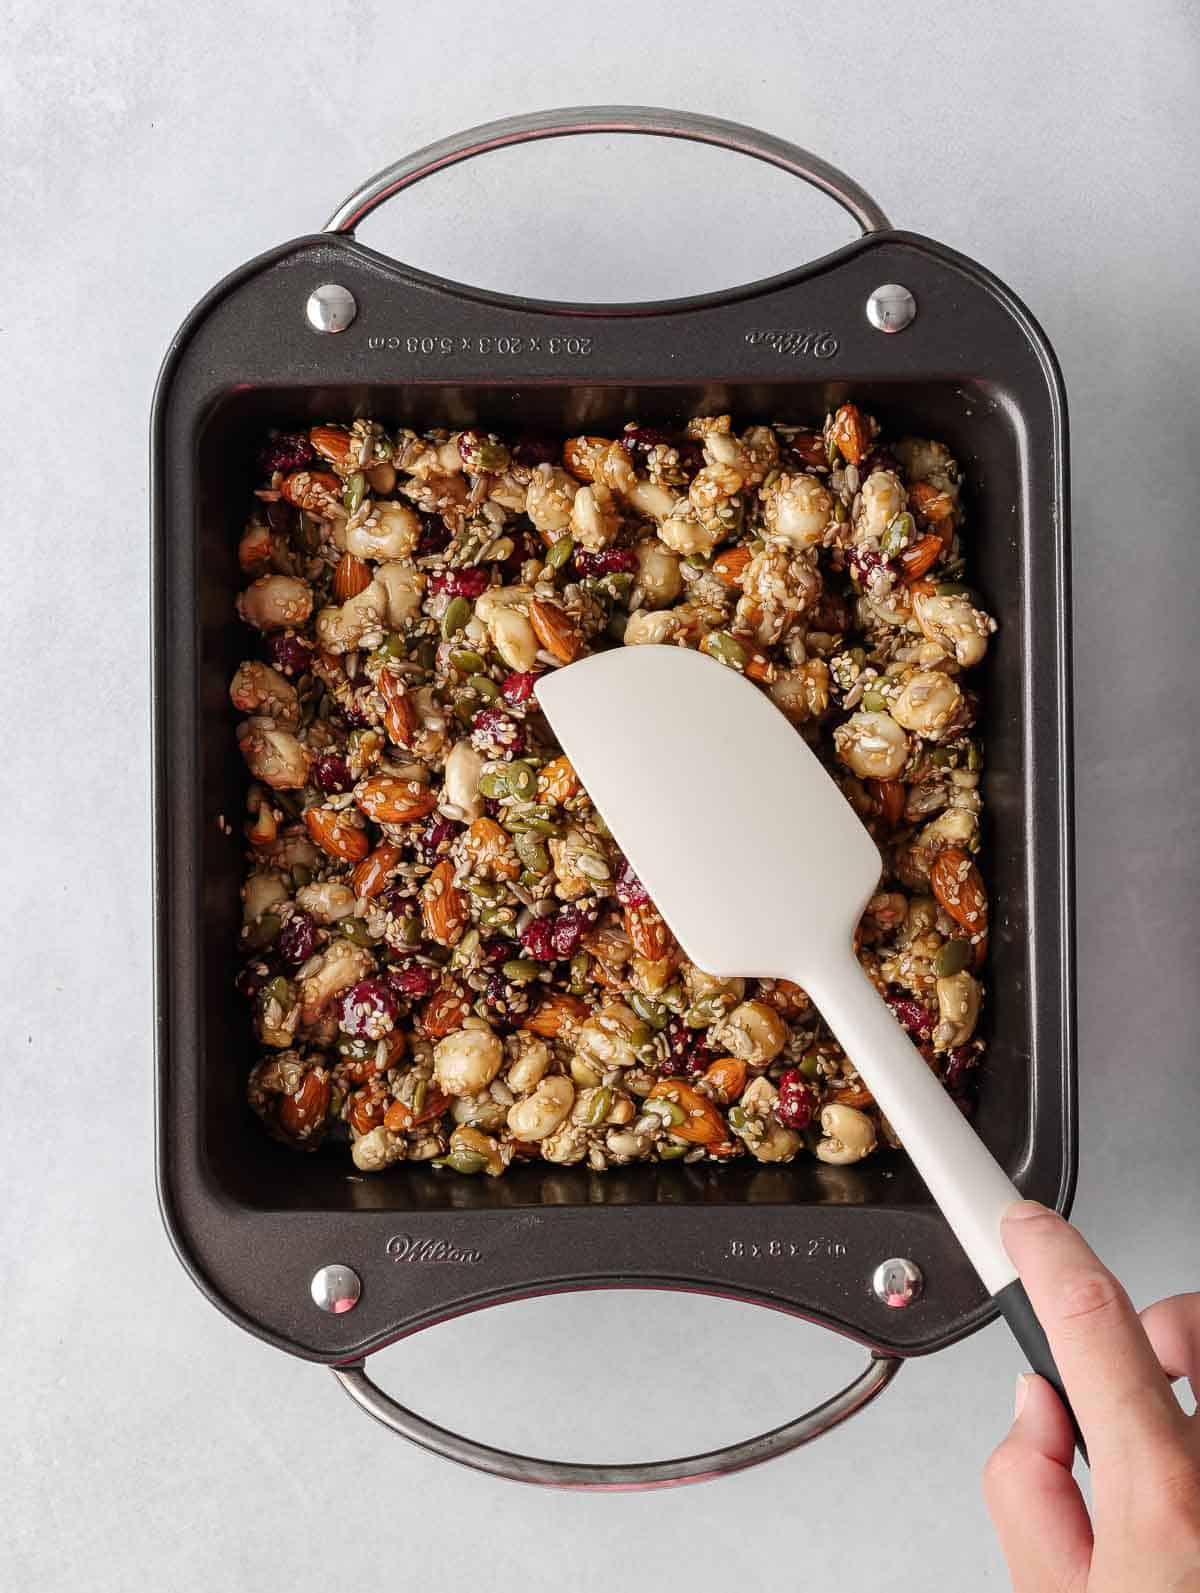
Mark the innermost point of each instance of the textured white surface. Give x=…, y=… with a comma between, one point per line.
x=146, y=151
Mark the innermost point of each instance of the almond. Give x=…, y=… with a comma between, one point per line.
x=312, y=489
x=362, y=1069
x=368, y=1106
x=371, y=875
x=399, y=715
x=809, y=447
x=958, y=886
x=391, y=800
x=788, y=999
x=352, y=576
x=557, y=1015
x=304, y=1110
x=557, y=633
x=921, y=557
x=647, y=929
x=337, y=834
x=333, y=445
x=851, y=433
x=890, y=795
x=930, y=506
x=854, y=1095
x=729, y=567
x=702, y=1123
x=491, y=850
x=726, y=1077
x=557, y=780
x=443, y=905
x=759, y=667
x=581, y=456
x=444, y=1011
x=400, y=1118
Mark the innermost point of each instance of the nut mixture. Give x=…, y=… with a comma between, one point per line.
x=448, y=959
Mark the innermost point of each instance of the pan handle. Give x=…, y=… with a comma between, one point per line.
x=609, y=119
x=368, y=1396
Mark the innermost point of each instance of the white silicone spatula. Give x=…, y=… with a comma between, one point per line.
x=761, y=867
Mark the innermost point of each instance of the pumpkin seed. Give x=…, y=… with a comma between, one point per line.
x=493, y=783
x=483, y=687
x=559, y=552
x=458, y=612
x=279, y=989
x=425, y=652
x=599, y=1106
x=952, y=958
x=467, y=662
x=974, y=756
x=592, y=866
x=672, y=1151
x=737, y=1117
x=532, y=853
x=941, y=758
x=406, y=929
x=521, y=779
x=537, y=819
x=897, y=536
x=671, y=1110
x=261, y=933
x=420, y=1091
x=485, y=890
x=874, y=702
x=580, y=963
x=600, y=827
x=726, y=649
x=355, y=931
x=337, y=1099
x=499, y=550
x=521, y=970
x=462, y=1161
x=650, y=1012
x=810, y=1064
x=501, y=918
x=952, y=589
x=465, y=951
x=840, y=514
x=701, y=1013
x=356, y=491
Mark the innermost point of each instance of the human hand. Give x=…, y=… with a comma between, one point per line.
x=1144, y=1450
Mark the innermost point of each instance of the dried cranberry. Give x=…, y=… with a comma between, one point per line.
x=494, y=732
x=493, y=807
x=251, y=979
x=880, y=458
x=630, y=891
x=536, y=451
x=298, y=938
x=369, y=1009
x=506, y=1003
x=567, y=930
x=797, y=1100
x=290, y=450
x=471, y=582
x=518, y=687
x=356, y=711
x=288, y=654
x=435, y=535
x=331, y=773
x=915, y=1017
x=865, y=563
x=687, y=1054
x=691, y=456
x=641, y=439
x=413, y=980
x=434, y=840
x=960, y=1064
x=495, y=950
x=538, y=940
x=281, y=517
x=609, y=561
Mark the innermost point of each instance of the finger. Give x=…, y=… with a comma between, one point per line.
x=1035, y=1506
x=1108, y=1367
x=1173, y=1328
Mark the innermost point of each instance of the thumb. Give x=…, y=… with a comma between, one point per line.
x=1035, y=1506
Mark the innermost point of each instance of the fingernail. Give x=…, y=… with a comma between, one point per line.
x=1022, y=1210
x=1022, y=1393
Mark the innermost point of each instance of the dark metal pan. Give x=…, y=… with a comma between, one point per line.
x=329, y=1266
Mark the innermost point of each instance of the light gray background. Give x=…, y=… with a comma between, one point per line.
x=147, y=150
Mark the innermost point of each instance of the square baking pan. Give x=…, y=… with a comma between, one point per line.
x=927, y=341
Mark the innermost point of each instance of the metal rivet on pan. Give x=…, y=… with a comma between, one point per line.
x=897, y=1282
x=330, y=308
x=336, y=1289
x=891, y=308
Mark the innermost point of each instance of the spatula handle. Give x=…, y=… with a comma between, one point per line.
x=963, y=1177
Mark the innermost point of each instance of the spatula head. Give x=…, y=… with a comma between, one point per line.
x=754, y=857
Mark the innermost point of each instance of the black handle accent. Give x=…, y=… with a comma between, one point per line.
x=1031, y=1336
